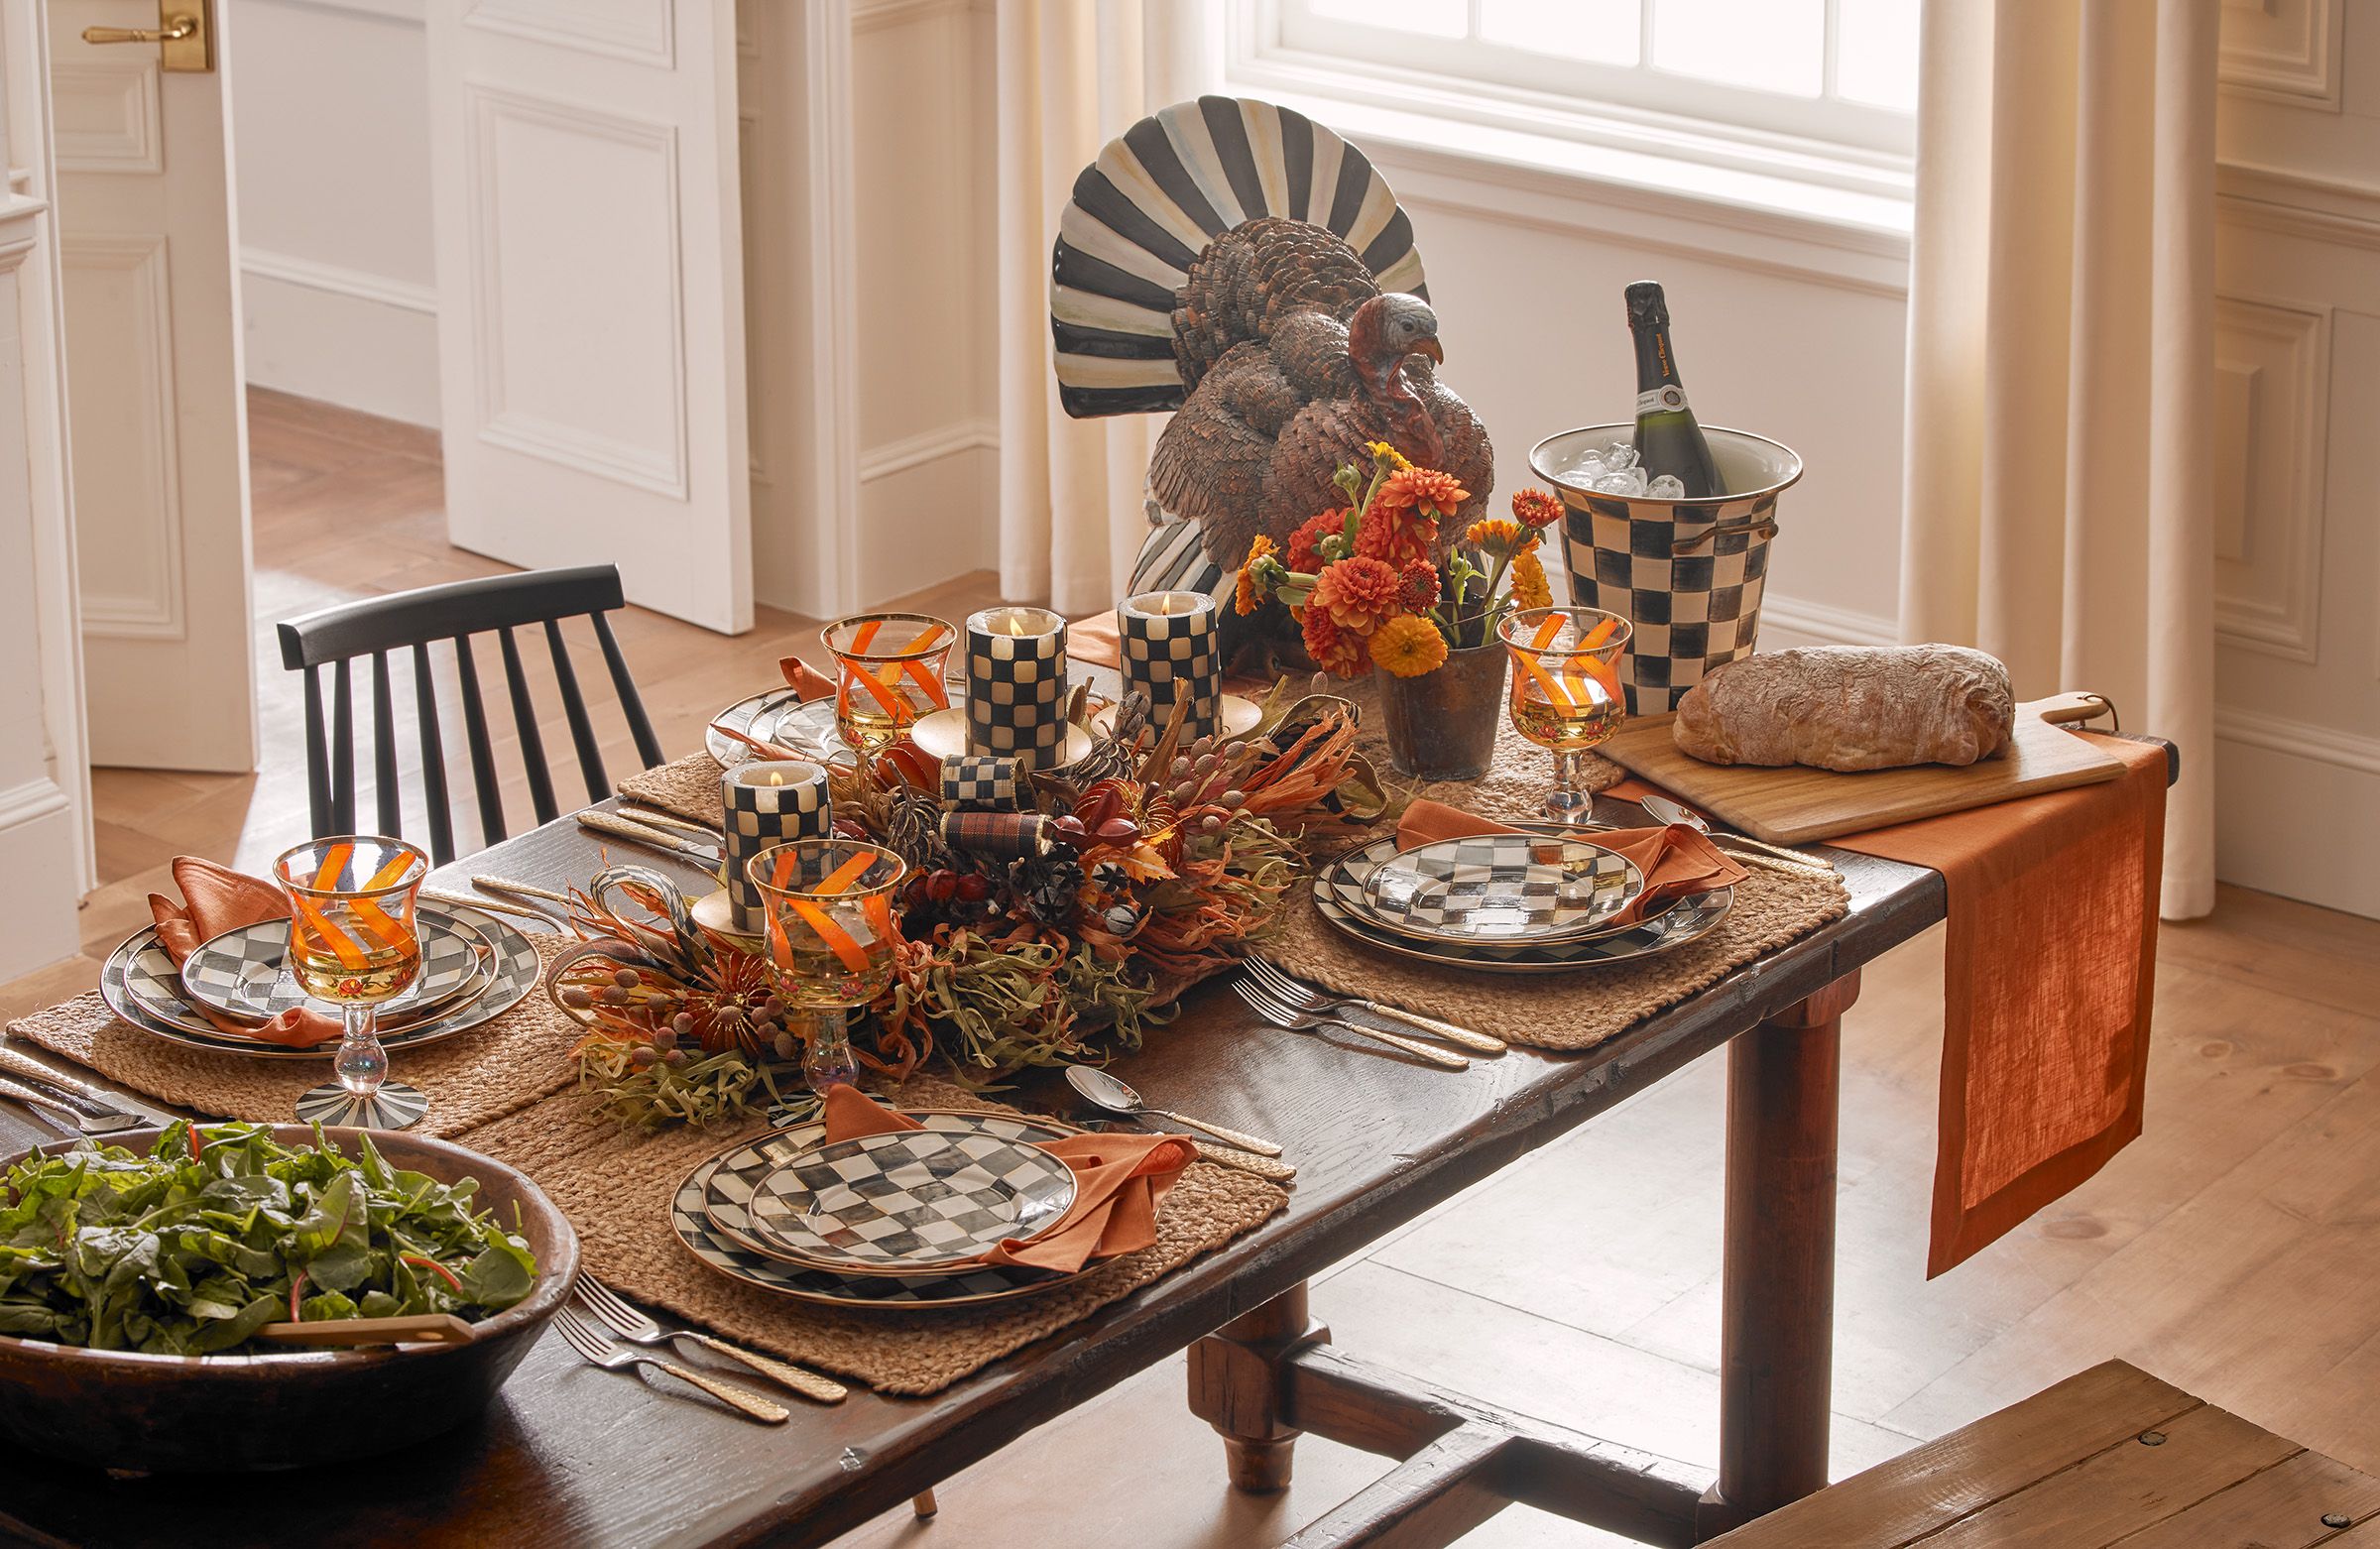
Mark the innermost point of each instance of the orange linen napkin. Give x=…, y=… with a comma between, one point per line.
x=805, y=680
x=1094, y=641
x=216, y=899
x=1674, y=861
x=2047, y=988
x=1120, y=1180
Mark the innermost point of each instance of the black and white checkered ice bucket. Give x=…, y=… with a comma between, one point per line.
x=1687, y=574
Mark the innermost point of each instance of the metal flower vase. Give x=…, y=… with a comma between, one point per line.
x=1442, y=725
x=1687, y=574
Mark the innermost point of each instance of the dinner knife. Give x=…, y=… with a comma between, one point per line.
x=67, y=1092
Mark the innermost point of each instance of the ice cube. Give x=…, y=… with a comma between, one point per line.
x=1667, y=487
x=1589, y=466
x=1618, y=455
x=1628, y=481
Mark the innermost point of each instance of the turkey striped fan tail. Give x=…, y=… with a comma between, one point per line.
x=1153, y=201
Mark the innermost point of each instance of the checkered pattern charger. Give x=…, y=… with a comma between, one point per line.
x=1688, y=582
x=1173, y=656
x=761, y=815
x=1015, y=688
x=914, y=1199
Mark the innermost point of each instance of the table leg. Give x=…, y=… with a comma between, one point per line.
x=1777, y=1289
x=1238, y=1386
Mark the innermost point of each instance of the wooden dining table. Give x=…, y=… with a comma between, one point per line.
x=569, y=1456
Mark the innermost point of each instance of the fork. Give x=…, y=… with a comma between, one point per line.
x=638, y=1328
x=43, y=1104
x=1299, y=995
x=1306, y=1022
x=598, y=1352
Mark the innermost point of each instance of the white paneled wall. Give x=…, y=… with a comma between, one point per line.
x=330, y=109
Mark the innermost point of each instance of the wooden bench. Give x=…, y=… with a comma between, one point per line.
x=2110, y=1455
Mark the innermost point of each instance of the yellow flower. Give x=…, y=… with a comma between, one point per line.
x=1389, y=459
x=1244, y=593
x=1530, y=586
x=1495, y=534
x=1408, y=646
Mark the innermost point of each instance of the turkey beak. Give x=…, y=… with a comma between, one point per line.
x=1430, y=348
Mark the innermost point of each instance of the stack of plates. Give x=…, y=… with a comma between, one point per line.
x=474, y=967
x=893, y=1219
x=1538, y=903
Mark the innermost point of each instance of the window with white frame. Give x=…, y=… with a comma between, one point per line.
x=1747, y=83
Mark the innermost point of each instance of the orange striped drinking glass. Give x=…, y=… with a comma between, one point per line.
x=830, y=937
x=888, y=672
x=353, y=938
x=1566, y=692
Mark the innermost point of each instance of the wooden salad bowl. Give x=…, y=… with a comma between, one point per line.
x=120, y=1409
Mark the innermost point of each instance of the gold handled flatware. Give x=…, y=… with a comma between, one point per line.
x=1664, y=810
x=497, y=905
x=1119, y=1098
x=422, y=1328
x=640, y=1329
x=654, y=815
x=1282, y=1015
x=597, y=1352
x=1271, y=1168
x=1299, y=995
x=85, y=1123
x=519, y=889
x=630, y=831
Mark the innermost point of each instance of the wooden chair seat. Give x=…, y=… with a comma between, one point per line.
x=2109, y=1456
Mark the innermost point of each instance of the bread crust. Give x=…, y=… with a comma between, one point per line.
x=1849, y=707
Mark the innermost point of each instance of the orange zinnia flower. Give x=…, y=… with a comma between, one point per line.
x=1495, y=534
x=1423, y=489
x=1244, y=593
x=1530, y=588
x=1356, y=592
x=1396, y=535
x=1535, y=509
x=1408, y=647
x=1332, y=649
x=1417, y=585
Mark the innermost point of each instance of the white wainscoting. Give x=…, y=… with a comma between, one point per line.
x=346, y=337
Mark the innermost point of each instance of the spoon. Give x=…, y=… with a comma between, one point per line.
x=1667, y=811
x=1118, y=1098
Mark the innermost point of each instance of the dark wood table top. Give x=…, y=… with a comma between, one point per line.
x=571, y=1455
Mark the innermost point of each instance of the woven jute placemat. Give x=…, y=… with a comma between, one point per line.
x=687, y=787
x=1568, y=1010
x=616, y=1188
x=499, y=1067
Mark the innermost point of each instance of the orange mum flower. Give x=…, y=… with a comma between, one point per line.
x=1396, y=535
x=1305, y=545
x=1423, y=489
x=1417, y=585
x=1408, y=647
x=1535, y=509
x=1530, y=588
x=1244, y=592
x=1356, y=592
x=1332, y=649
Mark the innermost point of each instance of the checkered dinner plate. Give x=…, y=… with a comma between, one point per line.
x=1507, y=888
x=908, y=1201
x=246, y=972
x=1338, y=898
x=708, y=1215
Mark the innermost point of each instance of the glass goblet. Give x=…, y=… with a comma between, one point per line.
x=1566, y=692
x=888, y=672
x=830, y=939
x=355, y=943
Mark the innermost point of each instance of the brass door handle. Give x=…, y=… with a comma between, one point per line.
x=183, y=35
x=181, y=26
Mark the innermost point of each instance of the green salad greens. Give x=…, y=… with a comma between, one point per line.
x=221, y=1230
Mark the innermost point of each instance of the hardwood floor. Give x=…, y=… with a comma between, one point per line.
x=2233, y=1250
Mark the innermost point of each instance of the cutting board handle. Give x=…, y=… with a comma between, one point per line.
x=2070, y=709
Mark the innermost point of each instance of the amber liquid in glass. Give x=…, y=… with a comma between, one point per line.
x=374, y=969
x=1567, y=728
x=812, y=974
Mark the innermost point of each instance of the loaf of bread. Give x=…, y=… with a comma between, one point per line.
x=1849, y=707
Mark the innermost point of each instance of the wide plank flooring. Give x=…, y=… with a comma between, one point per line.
x=2234, y=1251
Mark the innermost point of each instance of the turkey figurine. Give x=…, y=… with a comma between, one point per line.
x=1289, y=335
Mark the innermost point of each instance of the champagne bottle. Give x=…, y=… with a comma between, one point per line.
x=1668, y=440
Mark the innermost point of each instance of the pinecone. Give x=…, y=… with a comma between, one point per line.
x=913, y=831
x=1049, y=888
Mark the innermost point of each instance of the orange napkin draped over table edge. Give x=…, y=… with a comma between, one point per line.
x=216, y=899
x=2049, y=980
x=1120, y=1180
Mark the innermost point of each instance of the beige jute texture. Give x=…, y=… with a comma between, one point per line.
x=1571, y=1011
x=616, y=1188
x=687, y=787
x=499, y=1067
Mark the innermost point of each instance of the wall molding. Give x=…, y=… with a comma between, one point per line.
x=870, y=14
x=30, y=803
x=2275, y=606
x=2298, y=739
x=568, y=24
x=888, y=458
x=339, y=279
x=158, y=613
x=2291, y=54
x=128, y=92
x=2297, y=204
x=1827, y=623
x=403, y=12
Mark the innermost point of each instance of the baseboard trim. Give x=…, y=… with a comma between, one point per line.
x=339, y=279
x=1825, y=621
x=2298, y=739
x=914, y=451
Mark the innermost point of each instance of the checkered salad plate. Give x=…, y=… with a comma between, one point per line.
x=245, y=972
x=709, y=1215
x=1506, y=887
x=140, y=984
x=1339, y=897
x=908, y=1201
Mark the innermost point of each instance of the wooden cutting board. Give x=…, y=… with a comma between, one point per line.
x=1797, y=805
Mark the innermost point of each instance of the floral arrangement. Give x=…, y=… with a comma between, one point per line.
x=1369, y=584
x=1167, y=859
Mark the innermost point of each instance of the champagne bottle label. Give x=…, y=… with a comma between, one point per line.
x=1663, y=399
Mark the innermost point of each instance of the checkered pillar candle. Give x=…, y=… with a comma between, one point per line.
x=986, y=784
x=768, y=801
x=1017, y=685
x=1171, y=654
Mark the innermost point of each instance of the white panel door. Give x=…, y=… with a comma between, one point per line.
x=153, y=409
x=592, y=292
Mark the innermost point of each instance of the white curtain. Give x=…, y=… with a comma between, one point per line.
x=2058, y=507
x=1072, y=75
